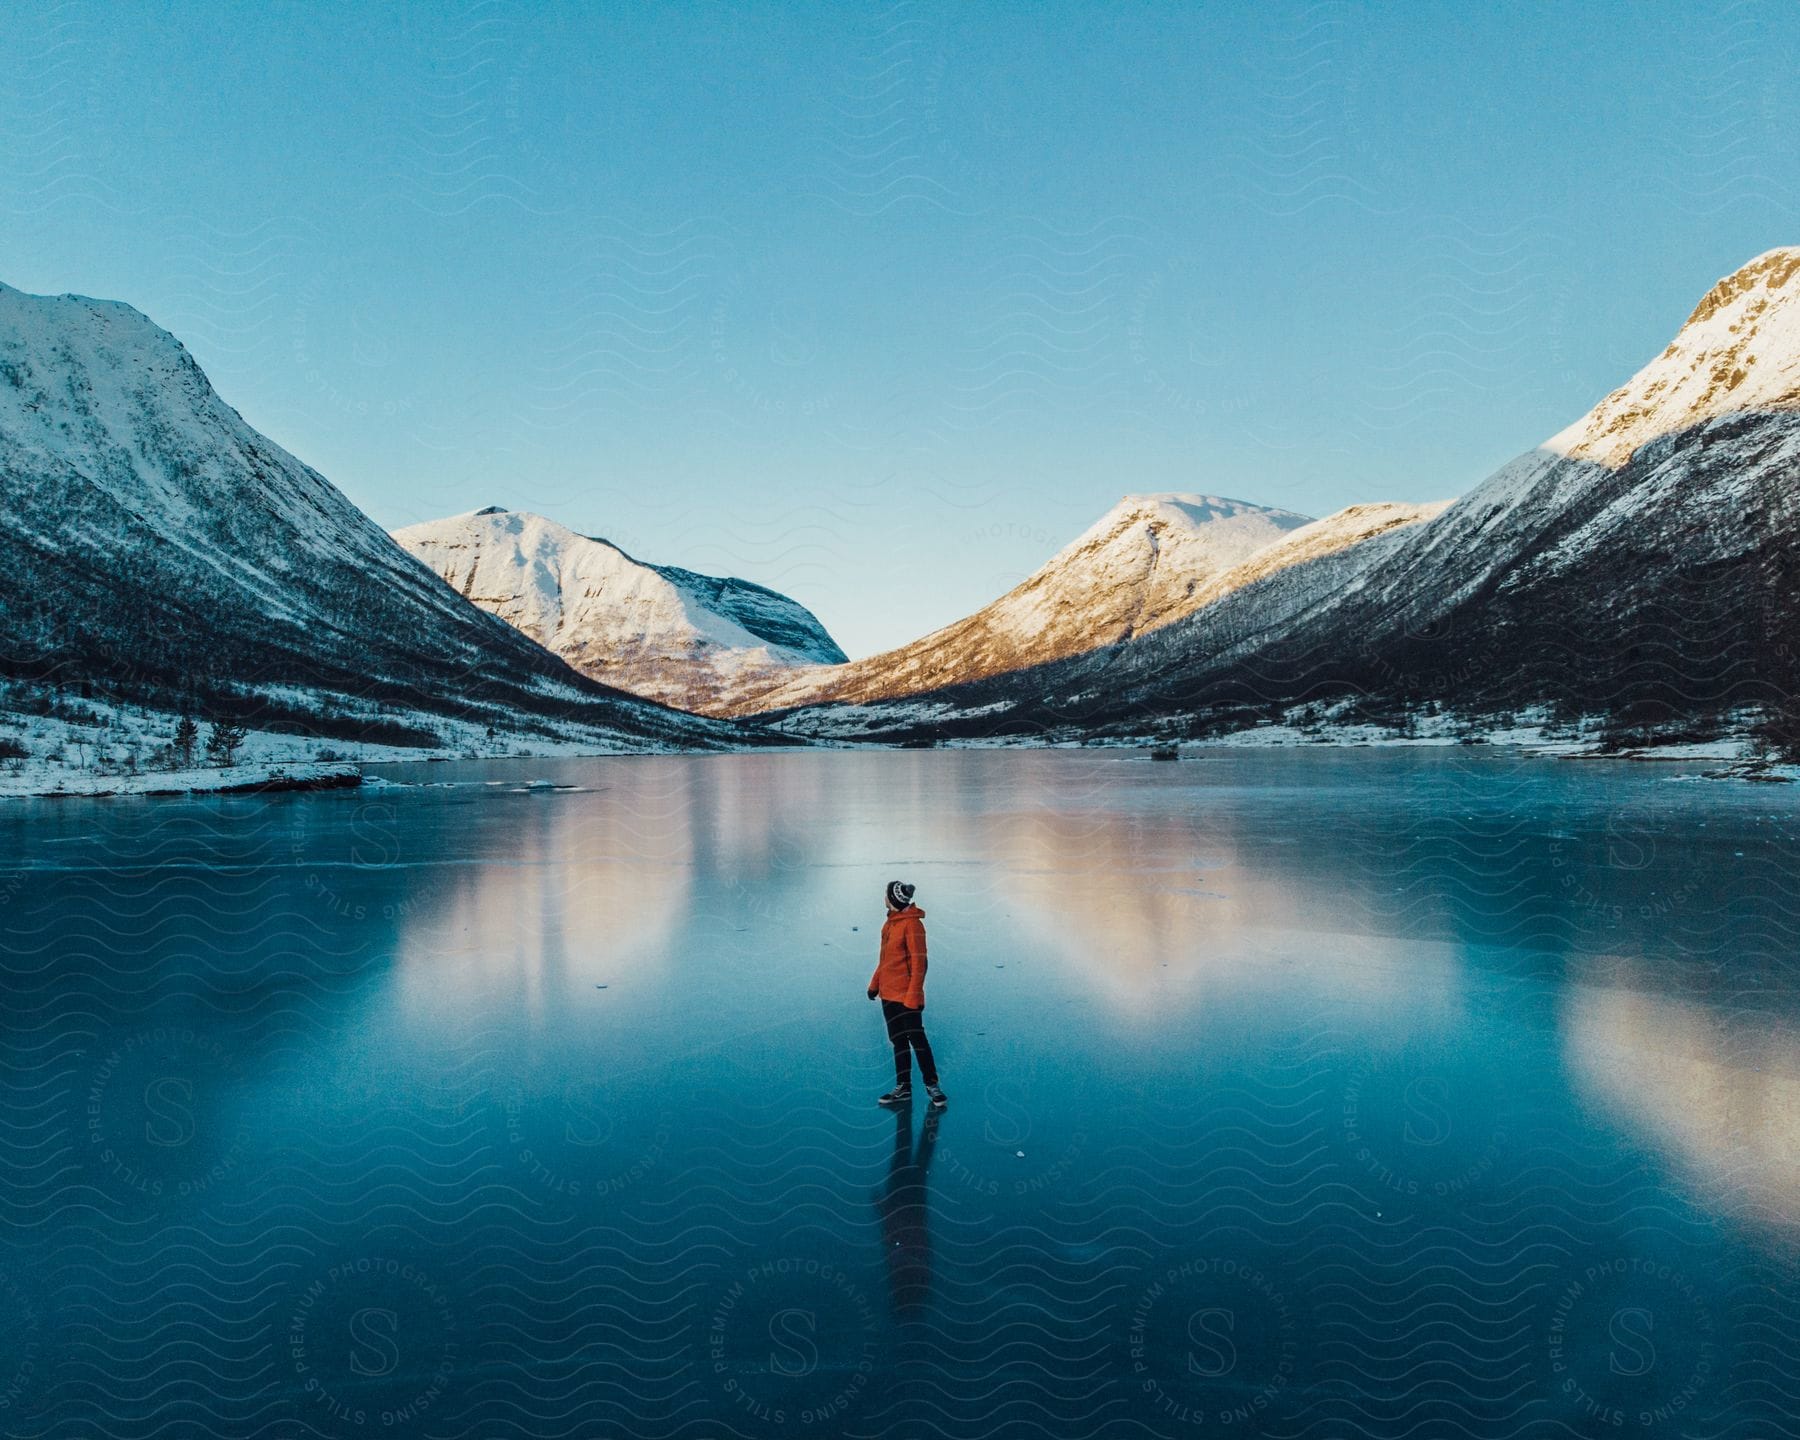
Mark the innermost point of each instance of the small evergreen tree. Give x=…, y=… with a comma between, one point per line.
x=187, y=739
x=222, y=743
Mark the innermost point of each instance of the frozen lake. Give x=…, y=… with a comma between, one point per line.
x=1319, y=1092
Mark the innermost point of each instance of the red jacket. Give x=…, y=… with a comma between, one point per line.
x=900, y=972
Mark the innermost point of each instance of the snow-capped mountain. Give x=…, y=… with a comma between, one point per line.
x=1641, y=566
x=1347, y=528
x=1141, y=566
x=688, y=640
x=157, y=549
x=1739, y=352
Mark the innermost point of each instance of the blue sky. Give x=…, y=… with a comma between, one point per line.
x=881, y=305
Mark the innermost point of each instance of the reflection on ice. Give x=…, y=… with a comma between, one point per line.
x=1307, y=1018
x=1152, y=895
x=566, y=890
x=560, y=895
x=1717, y=1093
x=1145, y=891
x=903, y=1206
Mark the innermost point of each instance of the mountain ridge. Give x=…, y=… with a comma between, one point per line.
x=1627, y=568
x=162, y=549
x=661, y=631
x=1131, y=571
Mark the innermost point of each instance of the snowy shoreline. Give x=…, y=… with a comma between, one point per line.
x=50, y=783
x=275, y=763
x=94, y=748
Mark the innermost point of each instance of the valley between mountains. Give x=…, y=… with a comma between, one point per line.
x=1629, y=583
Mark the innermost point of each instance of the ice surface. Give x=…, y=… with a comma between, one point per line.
x=1425, y=1063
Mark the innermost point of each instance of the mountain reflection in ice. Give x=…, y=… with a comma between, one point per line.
x=554, y=895
x=1716, y=1090
x=1148, y=891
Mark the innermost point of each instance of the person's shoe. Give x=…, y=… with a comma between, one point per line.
x=899, y=1095
x=938, y=1098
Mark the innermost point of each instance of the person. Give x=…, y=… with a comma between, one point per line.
x=899, y=983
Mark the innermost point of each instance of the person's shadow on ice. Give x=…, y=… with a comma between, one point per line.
x=901, y=1203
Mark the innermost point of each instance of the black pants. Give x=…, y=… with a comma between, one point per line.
x=907, y=1028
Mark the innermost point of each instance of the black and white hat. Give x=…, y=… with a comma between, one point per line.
x=899, y=894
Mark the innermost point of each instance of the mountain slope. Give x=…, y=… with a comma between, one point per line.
x=684, y=639
x=1738, y=352
x=159, y=549
x=1641, y=566
x=1352, y=526
x=1136, y=569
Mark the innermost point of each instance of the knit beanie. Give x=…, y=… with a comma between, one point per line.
x=899, y=894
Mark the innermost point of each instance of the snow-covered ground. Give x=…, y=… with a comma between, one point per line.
x=1738, y=756
x=1735, y=755
x=196, y=780
x=122, y=750
x=100, y=749
x=91, y=747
